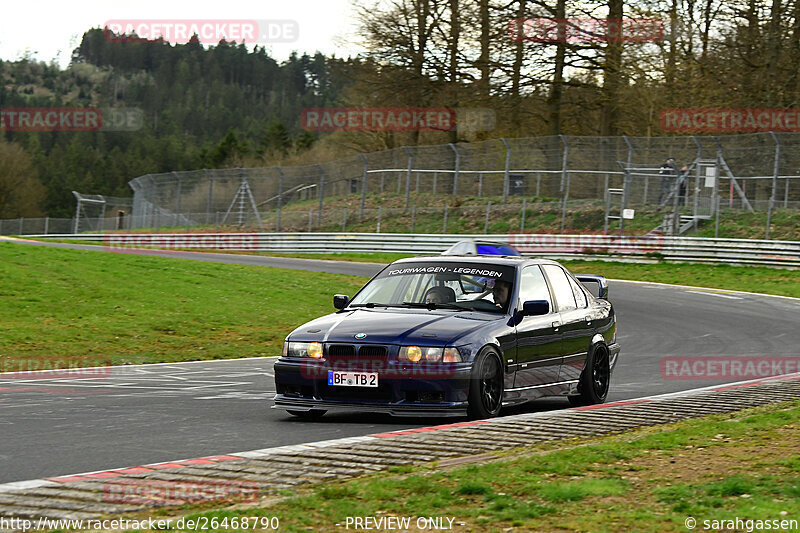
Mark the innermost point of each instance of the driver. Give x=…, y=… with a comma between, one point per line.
x=440, y=295
x=501, y=292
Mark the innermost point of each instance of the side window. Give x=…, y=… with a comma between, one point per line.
x=561, y=287
x=415, y=291
x=580, y=296
x=533, y=286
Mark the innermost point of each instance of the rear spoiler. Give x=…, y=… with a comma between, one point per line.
x=601, y=281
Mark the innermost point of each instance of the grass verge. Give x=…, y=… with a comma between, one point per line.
x=744, y=464
x=131, y=308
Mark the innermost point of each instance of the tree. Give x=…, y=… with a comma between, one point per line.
x=21, y=193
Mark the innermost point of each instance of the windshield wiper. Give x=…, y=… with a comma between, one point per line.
x=371, y=305
x=431, y=305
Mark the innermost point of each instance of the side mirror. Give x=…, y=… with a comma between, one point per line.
x=535, y=308
x=340, y=301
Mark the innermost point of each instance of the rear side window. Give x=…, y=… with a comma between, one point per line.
x=580, y=296
x=562, y=290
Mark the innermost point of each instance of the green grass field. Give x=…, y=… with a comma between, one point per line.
x=134, y=308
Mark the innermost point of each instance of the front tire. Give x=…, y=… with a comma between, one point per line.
x=595, y=379
x=486, y=385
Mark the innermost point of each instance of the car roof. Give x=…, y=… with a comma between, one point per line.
x=509, y=260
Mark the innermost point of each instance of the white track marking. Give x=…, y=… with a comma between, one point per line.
x=671, y=285
x=718, y=295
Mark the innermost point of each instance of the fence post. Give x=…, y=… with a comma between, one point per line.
x=46, y=224
x=408, y=173
x=344, y=221
x=413, y=216
x=776, y=170
x=21, y=222
x=178, y=199
x=77, y=213
x=280, y=201
x=522, y=221
x=626, y=185
x=378, y=228
x=435, y=175
x=562, y=188
x=538, y=182
x=786, y=194
x=363, y=185
x=320, y=194
x=457, y=168
x=507, y=169
x=480, y=184
x=488, y=210
x=444, y=228
x=310, y=219
x=210, y=192
x=716, y=203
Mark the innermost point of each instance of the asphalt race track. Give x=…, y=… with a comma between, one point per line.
x=154, y=413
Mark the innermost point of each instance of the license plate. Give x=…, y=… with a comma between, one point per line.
x=352, y=379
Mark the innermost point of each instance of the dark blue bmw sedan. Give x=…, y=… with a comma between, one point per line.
x=451, y=335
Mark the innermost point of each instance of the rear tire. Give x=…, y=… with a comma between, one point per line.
x=486, y=385
x=313, y=414
x=595, y=379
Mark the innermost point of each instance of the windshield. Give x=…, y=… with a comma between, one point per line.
x=440, y=285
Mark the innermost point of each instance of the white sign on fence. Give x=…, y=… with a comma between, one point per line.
x=711, y=173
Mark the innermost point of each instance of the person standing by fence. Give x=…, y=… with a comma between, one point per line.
x=668, y=172
x=682, y=181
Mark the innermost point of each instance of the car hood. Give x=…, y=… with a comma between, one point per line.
x=414, y=326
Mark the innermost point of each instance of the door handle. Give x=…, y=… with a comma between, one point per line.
x=588, y=320
x=556, y=324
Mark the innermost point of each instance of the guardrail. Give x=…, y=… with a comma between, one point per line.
x=640, y=248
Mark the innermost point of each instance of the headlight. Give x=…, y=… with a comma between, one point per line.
x=415, y=354
x=304, y=349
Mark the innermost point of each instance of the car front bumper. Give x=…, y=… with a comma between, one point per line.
x=403, y=390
